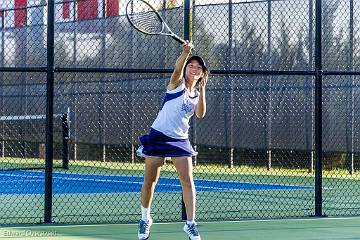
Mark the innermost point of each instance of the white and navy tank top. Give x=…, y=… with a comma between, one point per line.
x=177, y=109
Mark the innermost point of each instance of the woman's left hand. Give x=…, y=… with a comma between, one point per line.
x=204, y=80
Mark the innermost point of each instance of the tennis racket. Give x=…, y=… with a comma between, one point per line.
x=146, y=19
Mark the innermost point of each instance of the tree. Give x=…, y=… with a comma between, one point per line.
x=247, y=51
x=301, y=60
x=283, y=56
x=333, y=44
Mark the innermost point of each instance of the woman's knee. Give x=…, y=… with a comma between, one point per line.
x=150, y=181
x=186, y=181
x=184, y=168
x=152, y=171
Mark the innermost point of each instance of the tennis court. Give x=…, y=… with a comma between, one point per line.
x=296, y=229
x=278, y=149
x=32, y=182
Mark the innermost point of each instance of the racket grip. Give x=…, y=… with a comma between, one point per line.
x=180, y=40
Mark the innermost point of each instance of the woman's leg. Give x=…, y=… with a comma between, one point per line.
x=184, y=168
x=151, y=176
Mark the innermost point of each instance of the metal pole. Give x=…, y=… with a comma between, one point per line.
x=310, y=119
x=49, y=112
x=187, y=20
x=269, y=118
x=229, y=113
x=75, y=84
x=187, y=36
x=101, y=90
x=352, y=104
x=25, y=90
x=2, y=81
x=318, y=110
x=131, y=107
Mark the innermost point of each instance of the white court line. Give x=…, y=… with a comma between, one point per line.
x=163, y=184
x=127, y=182
x=178, y=222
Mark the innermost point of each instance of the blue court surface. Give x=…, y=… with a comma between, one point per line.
x=32, y=182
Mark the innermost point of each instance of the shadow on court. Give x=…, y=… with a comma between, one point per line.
x=294, y=229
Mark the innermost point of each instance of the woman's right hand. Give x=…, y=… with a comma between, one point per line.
x=187, y=46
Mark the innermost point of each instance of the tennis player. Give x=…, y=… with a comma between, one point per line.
x=168, y=137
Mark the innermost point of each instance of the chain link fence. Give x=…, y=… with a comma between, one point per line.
x=258, y=154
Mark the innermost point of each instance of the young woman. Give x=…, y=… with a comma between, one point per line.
x=168, y=137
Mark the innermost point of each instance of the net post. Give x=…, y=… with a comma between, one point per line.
x=65, y=139
x=183, y=209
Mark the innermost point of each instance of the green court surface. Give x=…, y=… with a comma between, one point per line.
x=290, y=229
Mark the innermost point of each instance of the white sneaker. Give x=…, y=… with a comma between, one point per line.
x=144, y=229
x=192, y=231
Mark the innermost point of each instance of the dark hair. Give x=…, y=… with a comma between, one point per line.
x=199, y=59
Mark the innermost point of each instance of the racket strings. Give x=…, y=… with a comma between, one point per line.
x=147, y=21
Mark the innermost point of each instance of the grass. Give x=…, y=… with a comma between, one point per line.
x=92, y=166
x=212, y=170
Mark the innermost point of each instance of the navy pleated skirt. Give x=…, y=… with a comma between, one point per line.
x=157, y=144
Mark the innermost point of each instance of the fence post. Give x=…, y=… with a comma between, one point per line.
x=49, y=112
x=351, y=122
x=229, y=112
x=102, y=107
x=309, y=93
x=2, y=79
x=318, y=110
x=268, y=128
x=187, y=36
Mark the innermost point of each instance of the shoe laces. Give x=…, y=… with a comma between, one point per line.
x=144, y=226
x=193, y=230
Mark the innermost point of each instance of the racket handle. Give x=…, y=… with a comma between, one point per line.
x=179, y=39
